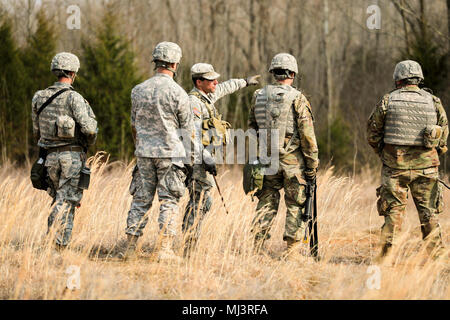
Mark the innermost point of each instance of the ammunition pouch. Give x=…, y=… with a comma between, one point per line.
x=431, y=136
x=221, y=131
x=65, y=127
x=85, y=178
x=253, y=177
x=38, y=175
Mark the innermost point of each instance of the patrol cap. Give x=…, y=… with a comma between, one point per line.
x=408, y=69
x=204, y=70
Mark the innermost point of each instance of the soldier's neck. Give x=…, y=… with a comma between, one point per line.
x=165, y=71
x=287, y=82
x=65, y=81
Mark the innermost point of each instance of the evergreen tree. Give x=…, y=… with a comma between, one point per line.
x=36, y=58
x=107, y=76
x=12, y=95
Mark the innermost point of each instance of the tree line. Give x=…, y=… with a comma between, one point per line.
x=345, y=67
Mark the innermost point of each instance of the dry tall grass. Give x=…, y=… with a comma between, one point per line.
x=223, y=265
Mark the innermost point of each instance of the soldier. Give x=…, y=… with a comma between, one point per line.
x=282, y=107
x=408, y=130
x=159, y=108
x=64, y=127
x=205, y=93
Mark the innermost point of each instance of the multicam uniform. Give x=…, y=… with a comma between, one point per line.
x=203, y=109
x=159, y=108
x=284, y=108
x=396, y=134
x=66, y=156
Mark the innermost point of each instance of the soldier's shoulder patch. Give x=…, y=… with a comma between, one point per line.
x=197, y=112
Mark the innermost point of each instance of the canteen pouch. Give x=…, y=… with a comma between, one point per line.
x=38, y=173
x=65, y=127
x=431, y=136
x=253, y=177
x=85, y=178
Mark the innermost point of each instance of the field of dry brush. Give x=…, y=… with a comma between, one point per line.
x=223, y=266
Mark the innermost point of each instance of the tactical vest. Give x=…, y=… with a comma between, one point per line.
x=274, y=110
x=55, y=120
x=213, y=122
x=409, y=113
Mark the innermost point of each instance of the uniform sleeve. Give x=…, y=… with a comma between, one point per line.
x=83, y=114
x=305, y=125
x=227, y=87
x=443, y=122
x=375, y=126
x=34, y=117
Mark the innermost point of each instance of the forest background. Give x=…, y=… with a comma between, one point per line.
x=346, y=50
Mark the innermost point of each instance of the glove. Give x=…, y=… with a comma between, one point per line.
x=211, y=168
x=310, y=175
x=253, y=80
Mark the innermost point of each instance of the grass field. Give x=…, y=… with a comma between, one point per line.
x=223, y=266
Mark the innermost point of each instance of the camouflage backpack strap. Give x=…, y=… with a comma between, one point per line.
x=204, y=100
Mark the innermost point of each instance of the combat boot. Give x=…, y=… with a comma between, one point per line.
x=130, y=249
x=166, y=252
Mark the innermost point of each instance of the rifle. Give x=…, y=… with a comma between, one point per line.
x=310, y=217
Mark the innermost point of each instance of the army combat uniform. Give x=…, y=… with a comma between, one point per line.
x=160, y=107
x=64, y=128
x=285, y=108
x=204, y=110
x=396, y=131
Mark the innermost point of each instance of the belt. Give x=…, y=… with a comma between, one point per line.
x=65, y=148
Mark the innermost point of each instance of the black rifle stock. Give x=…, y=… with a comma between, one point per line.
x=310, y=217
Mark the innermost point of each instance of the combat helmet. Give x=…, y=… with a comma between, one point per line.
x=284, y=61
x=408, y=69
x=168, y=52
x=65, y=61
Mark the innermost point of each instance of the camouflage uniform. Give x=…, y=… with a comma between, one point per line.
x=159, y=108
x=203, y=109
x=408, y=165
x=298, y=153
x=65, y=158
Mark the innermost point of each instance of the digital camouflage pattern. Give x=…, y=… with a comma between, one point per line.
x=405, y=157
x=64, y=171
x=408, y=69
x=159, y=108
x=406, y=168
x=205, y=71
x=284, y=61
x=428, y=198
x=69, y=103
x=63, y=167
x=161, y=176
x=300, y=153
x=65, y=61
x=167, y=52
x=202, y=182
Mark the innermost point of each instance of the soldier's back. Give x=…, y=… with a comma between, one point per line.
x=157, y=102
